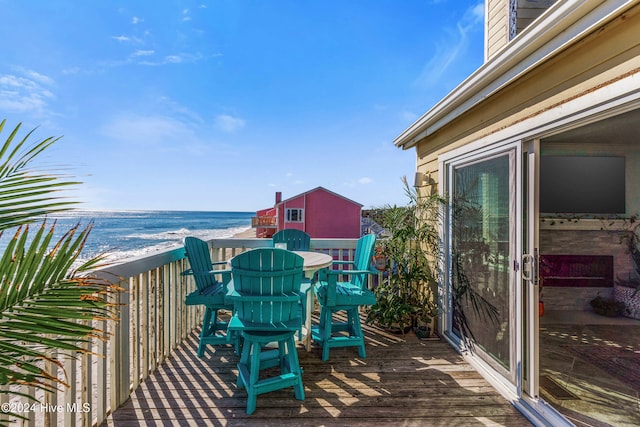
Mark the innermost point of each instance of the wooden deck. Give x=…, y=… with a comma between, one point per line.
x=401, y=382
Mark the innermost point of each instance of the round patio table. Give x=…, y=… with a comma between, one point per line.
x=313, y=261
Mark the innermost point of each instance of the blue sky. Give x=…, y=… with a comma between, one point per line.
x=216, y=105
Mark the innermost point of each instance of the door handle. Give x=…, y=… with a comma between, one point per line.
x=535, y=267
x=527, y=267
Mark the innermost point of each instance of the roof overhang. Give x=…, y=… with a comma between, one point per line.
x=560, y=27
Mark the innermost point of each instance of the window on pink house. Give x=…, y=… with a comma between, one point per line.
x=294, y=215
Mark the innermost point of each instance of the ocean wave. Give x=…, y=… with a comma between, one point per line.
x=164, y=235
x=121, y=235
x=181, y=233
x=169, y=240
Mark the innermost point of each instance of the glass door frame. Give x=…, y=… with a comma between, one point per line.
x=530, y=402
x=530, y=268
x=509, y=383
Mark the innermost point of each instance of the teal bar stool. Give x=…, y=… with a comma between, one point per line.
x=266, y=287
x=209, y=292
x=334, y=295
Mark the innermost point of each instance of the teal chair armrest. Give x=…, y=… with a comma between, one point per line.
x=305, y=287
x=226, y=274
x=339, y=272
x=189, y=272
x=326, y=289
x=344, y=262
x=325, y=273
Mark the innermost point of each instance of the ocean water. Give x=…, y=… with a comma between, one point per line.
x=125, y=234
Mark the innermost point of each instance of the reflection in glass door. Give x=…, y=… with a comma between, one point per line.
x=481, y=254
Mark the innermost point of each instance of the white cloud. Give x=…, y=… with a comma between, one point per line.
x=457, y=41
x=173, y=59
x=40, y=78
x=227, y=123
x=169, y=59
x=128, y=39
x=143, y=53
x=365, y=180
x=135, y=20
x=71, y=70
x=25, y=94
x=138, y=130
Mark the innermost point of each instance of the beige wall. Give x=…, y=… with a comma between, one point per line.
x=497, y=22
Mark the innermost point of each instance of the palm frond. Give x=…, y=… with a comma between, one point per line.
x=44, y=303
x=26, y=193
x=47, y=302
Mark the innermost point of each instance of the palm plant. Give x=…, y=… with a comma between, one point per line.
x=408, y=296
x=48, y=299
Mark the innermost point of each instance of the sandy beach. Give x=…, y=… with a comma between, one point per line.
x=246, y=234
x=249, y=233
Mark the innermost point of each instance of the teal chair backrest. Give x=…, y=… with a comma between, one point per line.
x=266, y=283
x=362, y=259
x=197, y=252
x=296, y=240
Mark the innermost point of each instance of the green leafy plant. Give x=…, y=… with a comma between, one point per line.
x=48, y=297
x=408, y=295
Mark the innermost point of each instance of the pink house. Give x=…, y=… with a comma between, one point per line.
x=319, y=212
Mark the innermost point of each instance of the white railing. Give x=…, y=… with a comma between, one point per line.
x=153, y=321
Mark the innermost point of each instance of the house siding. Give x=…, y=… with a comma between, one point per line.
x=497, y=32
x=333, y=217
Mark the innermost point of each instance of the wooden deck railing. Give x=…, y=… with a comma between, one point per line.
x=264, y=221
x=153, y=321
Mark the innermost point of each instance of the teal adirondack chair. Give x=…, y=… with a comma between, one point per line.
x=209, y=292
x=334, y=295
x=296, y=240
x=266, y=286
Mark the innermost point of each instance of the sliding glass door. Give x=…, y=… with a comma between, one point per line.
x=482, y=254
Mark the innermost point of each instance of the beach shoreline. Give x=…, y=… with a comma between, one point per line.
x=249, y=233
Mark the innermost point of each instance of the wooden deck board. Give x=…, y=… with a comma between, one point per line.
x=401, y=382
